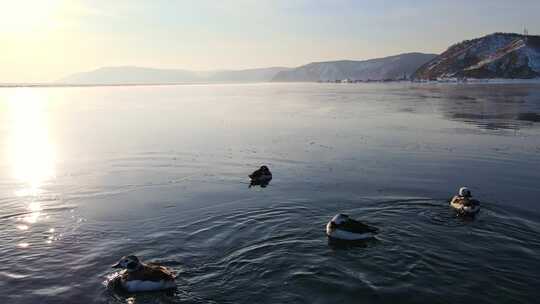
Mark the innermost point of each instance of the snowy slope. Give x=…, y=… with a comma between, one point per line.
x=393, y=67
x=498, y=55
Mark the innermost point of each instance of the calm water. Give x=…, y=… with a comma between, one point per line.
x=90, y=174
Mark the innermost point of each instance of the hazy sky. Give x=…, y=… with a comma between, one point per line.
x=43, y=40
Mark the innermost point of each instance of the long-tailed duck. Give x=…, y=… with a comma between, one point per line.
x=464, y=203
x=342, y=227
x=260, y=177
x=138, y=276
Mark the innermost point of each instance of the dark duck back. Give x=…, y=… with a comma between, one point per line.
x=260, y=177
x=343, y=227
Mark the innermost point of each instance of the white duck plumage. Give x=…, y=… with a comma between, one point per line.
x=138, y=276
x=463, y=203
x=342, y=227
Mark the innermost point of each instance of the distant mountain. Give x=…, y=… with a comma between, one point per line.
x=131, y=74
x=393, y=67
x=258, y=75
x=498, y=55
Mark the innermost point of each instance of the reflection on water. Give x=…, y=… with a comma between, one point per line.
x=30, y=149
x=492, y=108
x=262, y=184
x=30, y=153
x=22, y=227
x=35, y=212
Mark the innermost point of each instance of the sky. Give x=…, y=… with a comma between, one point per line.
x=45, y=40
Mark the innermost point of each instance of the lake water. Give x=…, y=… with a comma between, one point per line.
x=90, y=174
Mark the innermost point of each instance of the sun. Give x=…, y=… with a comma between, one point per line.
x=30, y=15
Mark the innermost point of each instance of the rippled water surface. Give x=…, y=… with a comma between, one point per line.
x=90, y=174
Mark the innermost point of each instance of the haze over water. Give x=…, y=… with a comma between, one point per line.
x=90, y=174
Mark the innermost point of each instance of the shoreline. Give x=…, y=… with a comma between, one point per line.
x=468, y=81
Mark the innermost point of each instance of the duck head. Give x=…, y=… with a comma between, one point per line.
x=339, y=219
x=464, y=192
x=130, y=263
x=265, y=170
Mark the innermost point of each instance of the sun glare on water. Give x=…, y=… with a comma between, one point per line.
x=30, y=150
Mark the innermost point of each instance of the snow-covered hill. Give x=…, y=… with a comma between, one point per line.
x=498, y=55
x=393, y=67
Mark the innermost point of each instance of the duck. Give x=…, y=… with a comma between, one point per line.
x=342, y=227
x=463, y=202
x=260, y=177
x=137, y=276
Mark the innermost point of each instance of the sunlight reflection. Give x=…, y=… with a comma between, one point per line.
x=30, y=149
x=22, y=227
x=32, y=218
x=35, y=209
